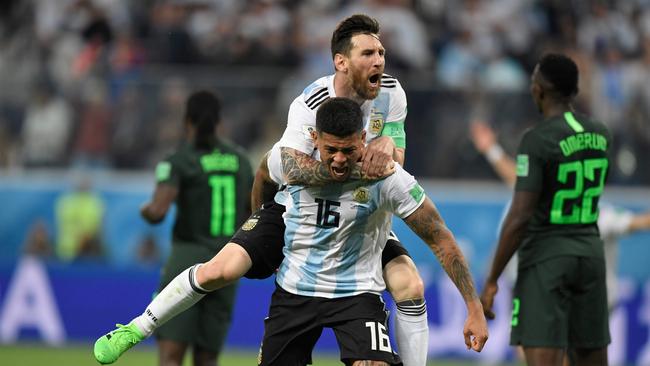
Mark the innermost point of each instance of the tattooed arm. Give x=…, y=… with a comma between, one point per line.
x=427, y=223
x=300, y=168
x=430, y=227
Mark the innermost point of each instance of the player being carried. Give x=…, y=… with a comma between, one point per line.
x=255, y=251
x=331, y=275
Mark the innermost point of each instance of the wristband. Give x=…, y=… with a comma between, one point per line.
x=494, y=153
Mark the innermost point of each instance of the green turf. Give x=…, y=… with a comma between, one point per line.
x=35, y=355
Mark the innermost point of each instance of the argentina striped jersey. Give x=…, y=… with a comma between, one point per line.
x=382, y=116
x=335, y=235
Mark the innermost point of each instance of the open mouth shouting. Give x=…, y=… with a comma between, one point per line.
x=374, y=81
x=339, y=172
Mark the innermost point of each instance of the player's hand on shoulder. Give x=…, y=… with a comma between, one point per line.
x=377, y=155
x=389, y=169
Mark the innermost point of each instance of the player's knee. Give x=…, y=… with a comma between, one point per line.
x=229, y=265
x=415, y=288
x=369, y=362
x=408, y=288
x=214, y=275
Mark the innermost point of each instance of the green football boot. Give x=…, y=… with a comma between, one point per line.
x=110, y=347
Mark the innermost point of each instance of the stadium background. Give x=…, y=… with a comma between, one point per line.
x=92, y=96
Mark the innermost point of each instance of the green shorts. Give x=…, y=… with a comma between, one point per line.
x=206, y=323
x=561, y=302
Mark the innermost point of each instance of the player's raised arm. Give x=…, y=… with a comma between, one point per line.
x=427, y=223
x=485, y=141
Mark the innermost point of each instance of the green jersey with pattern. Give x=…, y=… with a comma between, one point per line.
x=565, y=159
x=214, y=190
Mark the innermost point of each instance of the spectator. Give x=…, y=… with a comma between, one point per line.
x=147, y=252
x=39, y=242
x=93, y=134
x=79, y=217
x=46, y=128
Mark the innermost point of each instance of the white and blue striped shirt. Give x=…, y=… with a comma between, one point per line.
x=335, y=234
x=380, y=115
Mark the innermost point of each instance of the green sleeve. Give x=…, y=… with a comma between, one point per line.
x=530, y=164
x=168, y=172
x=395, y=130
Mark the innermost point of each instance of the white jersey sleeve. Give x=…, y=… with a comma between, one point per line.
x=274, y=163
x=300, y=122
x=401, y=193
x=398, y=108
x=613, y=222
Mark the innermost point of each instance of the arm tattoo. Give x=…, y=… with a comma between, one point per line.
x=300, y=168
x=431, y=228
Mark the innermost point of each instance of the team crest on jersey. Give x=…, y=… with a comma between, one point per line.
x=249, y=224
x=376, y=122
x=306, y=130
x=361, y=195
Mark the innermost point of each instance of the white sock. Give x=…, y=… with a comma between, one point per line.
x=181, y=293
x=412, y=332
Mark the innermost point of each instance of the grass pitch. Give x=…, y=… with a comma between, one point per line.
x=82, y=355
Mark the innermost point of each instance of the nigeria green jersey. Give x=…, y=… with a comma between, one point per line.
x=214, y=189
x=565, y=159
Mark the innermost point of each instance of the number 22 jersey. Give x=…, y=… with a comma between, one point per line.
x=565, y=159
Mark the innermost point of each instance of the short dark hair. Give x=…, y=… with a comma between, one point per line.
x=561, y=72
x=349, y=27
x=203, y=111
x=340, y=117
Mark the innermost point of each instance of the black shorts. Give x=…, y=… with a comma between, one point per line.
x=262, y=236
x=295, y=323
x=561, y=302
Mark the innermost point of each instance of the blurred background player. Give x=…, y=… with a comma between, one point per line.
x=209, y=180
x=614, y=222
x=561, y=169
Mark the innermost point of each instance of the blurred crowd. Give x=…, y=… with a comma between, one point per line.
x=101, y=83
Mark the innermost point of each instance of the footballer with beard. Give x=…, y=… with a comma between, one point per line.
x=256, y=249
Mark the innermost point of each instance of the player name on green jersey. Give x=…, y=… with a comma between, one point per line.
x=583, y=141
x=218, y=161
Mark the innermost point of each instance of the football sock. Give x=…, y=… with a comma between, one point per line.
x=181, y=293
x=412, y=332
